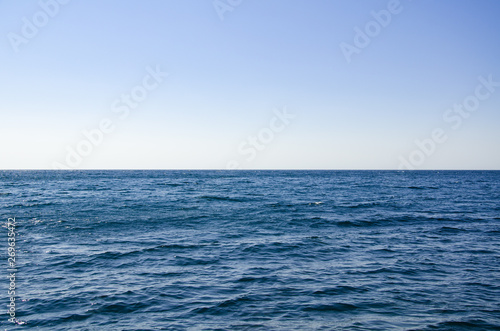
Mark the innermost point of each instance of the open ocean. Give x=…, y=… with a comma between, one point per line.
x=253, y=250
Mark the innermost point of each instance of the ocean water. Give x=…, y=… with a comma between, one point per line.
x=253, y=250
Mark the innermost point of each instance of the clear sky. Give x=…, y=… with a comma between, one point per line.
x=283, y=84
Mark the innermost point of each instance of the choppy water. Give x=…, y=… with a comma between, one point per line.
x=263, y=250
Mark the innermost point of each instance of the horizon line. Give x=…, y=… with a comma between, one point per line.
x=222, y=169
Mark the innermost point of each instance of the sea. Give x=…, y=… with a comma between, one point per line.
x=251, y=250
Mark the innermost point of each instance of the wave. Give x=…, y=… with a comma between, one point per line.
x=171, y=184
x=280, y=204
x=223, y=198
x=388, y=270
x=397, y=220
x=264, y=279
x=363, y=223
x=119, y=307
x=423, y=188
x=224, y=306
x=450, y=229
x=339, y=307
x=116, y=255
x=338, y=290
x=273, y=247
x=363, y=204
x=30, y=204
x=472, y=324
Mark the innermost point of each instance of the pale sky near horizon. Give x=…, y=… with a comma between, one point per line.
x=272, y=85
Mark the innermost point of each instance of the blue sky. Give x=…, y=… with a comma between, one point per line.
x=229, y=68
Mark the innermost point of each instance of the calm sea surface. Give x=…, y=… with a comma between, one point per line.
x=253, y=250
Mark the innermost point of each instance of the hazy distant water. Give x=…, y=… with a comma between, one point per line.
x=263, y=250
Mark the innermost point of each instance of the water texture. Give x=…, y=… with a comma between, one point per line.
x=253, y=250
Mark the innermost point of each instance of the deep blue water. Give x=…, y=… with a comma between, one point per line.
x=245, y=250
